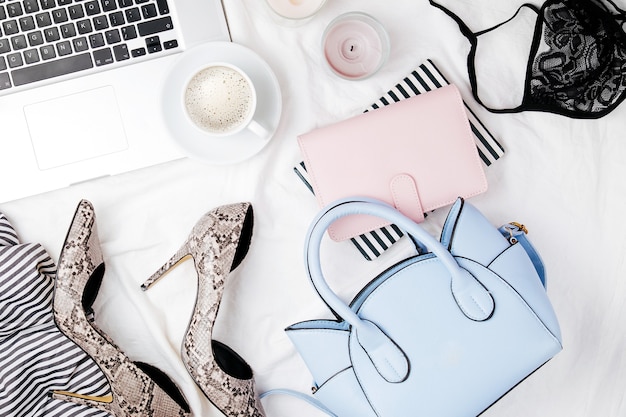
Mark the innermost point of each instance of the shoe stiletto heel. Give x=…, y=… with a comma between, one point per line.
x=138, y=389
x=101, y=403
x=218, y=243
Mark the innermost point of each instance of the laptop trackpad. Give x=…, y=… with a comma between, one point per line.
x=76, y=127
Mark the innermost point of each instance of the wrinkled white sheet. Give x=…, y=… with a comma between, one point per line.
x=563, y=178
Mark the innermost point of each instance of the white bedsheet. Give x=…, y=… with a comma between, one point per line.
x=563, y=178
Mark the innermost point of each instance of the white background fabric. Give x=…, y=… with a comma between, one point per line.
x=562, y=178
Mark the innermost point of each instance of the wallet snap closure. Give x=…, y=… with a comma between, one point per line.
x=406, y=197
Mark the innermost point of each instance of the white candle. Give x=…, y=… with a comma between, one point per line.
x=295, y=9
x=355, y=45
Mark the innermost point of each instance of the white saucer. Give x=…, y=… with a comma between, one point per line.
x=198, y=144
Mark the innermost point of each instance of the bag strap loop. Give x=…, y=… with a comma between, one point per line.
x=471, y=296
x=312, y=401
x=516, y=234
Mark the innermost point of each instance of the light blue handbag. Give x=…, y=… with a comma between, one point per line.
x=446, y=333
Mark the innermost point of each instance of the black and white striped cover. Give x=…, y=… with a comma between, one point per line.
x=35, y=357
x=425, y=78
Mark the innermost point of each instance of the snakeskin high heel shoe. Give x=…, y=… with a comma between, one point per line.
x=218, y=243
x=138, y=389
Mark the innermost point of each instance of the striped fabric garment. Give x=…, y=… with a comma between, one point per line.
x=35, y=357
x=425, y=78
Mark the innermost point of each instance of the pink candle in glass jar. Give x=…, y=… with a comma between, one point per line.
x=295, y=9
x=355, y=45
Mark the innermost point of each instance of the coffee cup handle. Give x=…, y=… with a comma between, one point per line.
x=258, y=129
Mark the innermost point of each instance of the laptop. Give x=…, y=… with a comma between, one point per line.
x=80, y=84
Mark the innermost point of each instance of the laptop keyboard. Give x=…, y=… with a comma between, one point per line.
x=44, y=39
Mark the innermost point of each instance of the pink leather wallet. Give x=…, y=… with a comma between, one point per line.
x=417, y=154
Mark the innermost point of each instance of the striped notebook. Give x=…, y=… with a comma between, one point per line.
x=425, y=78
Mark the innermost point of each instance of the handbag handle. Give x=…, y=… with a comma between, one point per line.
x=471, y=296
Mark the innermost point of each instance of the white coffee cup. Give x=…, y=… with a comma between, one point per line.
x=220, y=100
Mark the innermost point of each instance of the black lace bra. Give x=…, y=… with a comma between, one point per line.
x=577, y=63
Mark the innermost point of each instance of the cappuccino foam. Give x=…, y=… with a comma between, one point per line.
x=219, y=99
